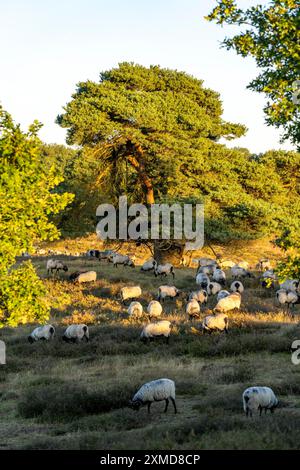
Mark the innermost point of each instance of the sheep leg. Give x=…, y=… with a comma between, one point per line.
x=167, y=404
x=174, y=404
x=260, y=410
x=167, y=339
x=149, y=404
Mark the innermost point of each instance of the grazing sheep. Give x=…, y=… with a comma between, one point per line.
x=287, y=297
x=45, y=332
x=290, y=284
x=209, y=269
x=264, y=264
x=157, y=390
x=76, y=333
x=130, y=292
x=222, y=294
x=219, y=276
x=135, y=310
x=237, y=286
x=164, y=270
x=149, y=265
x=154, y=309
x=199, y=295
x=239, y=272
x=105, y=255
x=87, y=276
x=167, y=291
x=156, y=330
x=259, y=398
x=226, y=264
x=231, y=302
x=192, y=309
x=55, y=265
x=217, y=322
x=213, y=288
x=202, y=280
x=122, y=259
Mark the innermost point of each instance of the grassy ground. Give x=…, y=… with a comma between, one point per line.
x=73, y=396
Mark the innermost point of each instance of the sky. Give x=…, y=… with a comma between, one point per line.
x=47, y=47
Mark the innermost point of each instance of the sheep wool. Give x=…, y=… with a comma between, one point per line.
x=287, y=297
x=131, y=292
x=237, y=286
x=76, y=333
x=199, y=295
x=219, y=276
x=135, y=309
x=164, y=270
x=290, y=284
x=222, y=294
x=155, y=330
x=45, y=332
x=217, y=322
x=88, y=276
x=213, y=288
x=55, y=265
x=154, y=309
x=231, y=302
x=157, y=390
x=149, y=265
x=259, y=398
x=202, y=280
x=167, y=291
x=122, y=259
x=239, y=272
x=192, y=308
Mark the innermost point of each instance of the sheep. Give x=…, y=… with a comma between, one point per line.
x=219, y=276
x=290, y=284
x=264, y=264
x=157, y=390
x=156, y=330
x=222, y=294
x=154, y=309
x=55, y=265
x=287, y=297
x=164, y=270
x=237, y=286
x=226, y=264
x=87, y=276
x=259, y=398
x=214, y=322
x=135, y=310
x=130, y=292
x=76, y=333
x=149, y=265
x=213, y=288
x=239, y=272
x=209, y=269
x=167, y=291
x=122, y=259
x=202, y=280
x=199, y=295
x=231, y=302
x=192, y=309
x=45, y=332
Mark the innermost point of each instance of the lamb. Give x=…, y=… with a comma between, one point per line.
x=202, y=280
x=231, y=302
x=122, y=259
x=222, y=294
x=167, y=291
x=132, y=292
x=156, y=330
x=157, y=390
x=217, y=322
x=135, y=310
x=219, y=276
x=149, y=265
x=290, y=284
x=213, y=288
x=193, y=309
x=287, y=297
x=199, y=295
x=164, y=270
x=264, y=264
x=55, y=265
x=237, y=286
x=45, y=332
x=87, y=276
x=76, y=333
x=154, y=309
x=239, y=272
x=259, y=398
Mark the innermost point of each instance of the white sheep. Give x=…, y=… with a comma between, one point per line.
x=156, y=330
x=239, y=272
x=219, y=276
x=290, y=284
x=217, y=322
x=157, y=390
x=199, y=295
x=192, y=309
x=149, y=265
x=287, y=297
x=122, y=259
x=45, y=332
x=202, y=280
x=209, y=269
x=130, y=292
x=259, y=398
x=237, y=286
x=167, y=291
x=231, y=302
x=88, y=276
x=222, y=294
x=164, y=270
x=213, y=288
x=76, y=333
x=154, y=309
x=135, y=310
x=55, y=265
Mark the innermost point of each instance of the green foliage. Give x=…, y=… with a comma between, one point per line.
x=289, y=268
x=270, y=34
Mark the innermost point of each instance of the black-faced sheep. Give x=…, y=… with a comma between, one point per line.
x=217, y=322
x=45, y=332
x=54, y=265
x=156, y=330
x=237, y=286
x=231, y=302
x=154, y=309
x=130, y=292
x=157, y=390
x=76, y=333
x=164, y=270
x=258, y=399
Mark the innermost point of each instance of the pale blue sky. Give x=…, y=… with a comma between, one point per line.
x=46, y=47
